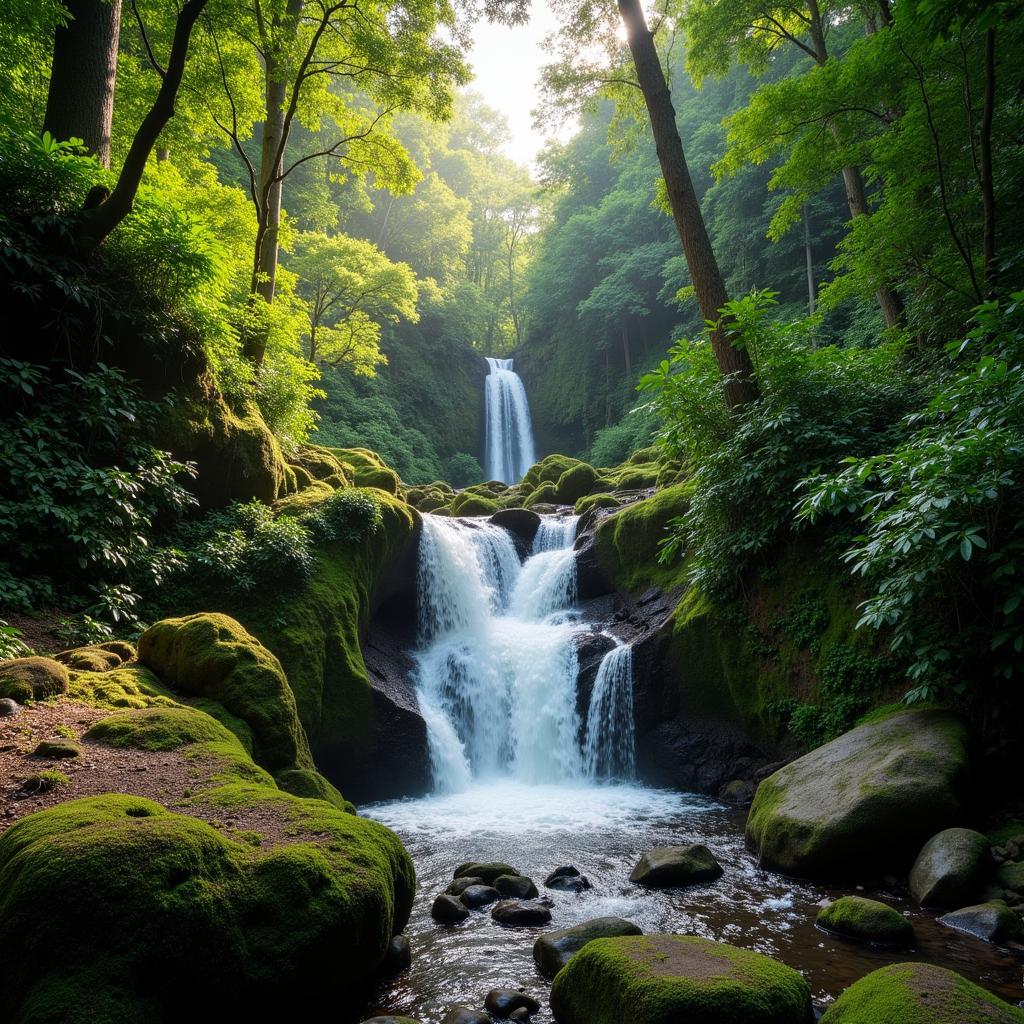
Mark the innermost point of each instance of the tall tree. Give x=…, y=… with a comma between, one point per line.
x=80, y=103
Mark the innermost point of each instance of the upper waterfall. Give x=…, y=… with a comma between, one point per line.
x=508, y=446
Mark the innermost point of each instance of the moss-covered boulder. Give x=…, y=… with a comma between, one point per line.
x=468, y=504
x=992, y=921
x=672, y=866
x=864, y=920
x=553, y=950
x=919, y=994
x=950, y=868
x=57, y=749
x=593, y=501
x=317, y=462
x=32, y=678
x=574, y=483
x=159, y=728
x=97, y=657
x=548, y=470
x=381, y=477
x=866, y=801
x=126, y=687
x=545, y=494
x=211, y=655
x=114, y=909
x=311, y=784
x=666, y=979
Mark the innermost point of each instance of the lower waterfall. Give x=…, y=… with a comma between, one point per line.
x=497, y=670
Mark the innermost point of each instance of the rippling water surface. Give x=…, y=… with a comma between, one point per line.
x=603, y=830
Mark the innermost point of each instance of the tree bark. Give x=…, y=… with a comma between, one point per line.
x=988, y=196
x=80, y=102
x=734, y=363
x=625, y=348
x=812, y=297
x=96, y=222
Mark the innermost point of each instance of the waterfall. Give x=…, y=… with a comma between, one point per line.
x=496, y=666
x=508, y=447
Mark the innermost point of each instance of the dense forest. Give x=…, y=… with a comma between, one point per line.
x=553, y=513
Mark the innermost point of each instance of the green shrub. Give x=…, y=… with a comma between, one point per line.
x=349, y=516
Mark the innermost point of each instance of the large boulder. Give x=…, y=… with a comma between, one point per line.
x=32, y=678
x=919, y=994
x=668, y=866
x=553, y=950
x=666, y=979
x=950, y=868
x=993, y=921
x=864, y=920
x=116, y=909
x=211, y=655
x=866, y=801
x=521, y=523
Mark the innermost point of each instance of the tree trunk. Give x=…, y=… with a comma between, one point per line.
x=80, y=103
x=812, y=297
x=607, y=389
x=97, y=221
x=988, y=196
x=734, y=363
x=312, y=343
x=625, y=348
x=512, y=295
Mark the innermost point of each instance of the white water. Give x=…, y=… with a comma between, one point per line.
x=497, y=667
x=508, y=446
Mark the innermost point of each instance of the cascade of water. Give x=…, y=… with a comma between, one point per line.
x=609, y=750
x=508, y=446
x=497, y=666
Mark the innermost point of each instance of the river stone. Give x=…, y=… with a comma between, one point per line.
x=856, y=917
x=476, y=896
x=398, y=957
x=866, y=801
x=518, y=913
x=460, y=885
x=950, y=868
x=1011, y=877
x=9, y=708
x=517, y=887
x=553, y=950
x=991, y=922
x=567, y=879
x=488, y=872
x=520, y=522
x=667, y=866
x=465, y=1015
x=448, y=909
x=664, y=979
x=503, y=1001
x=917, y=993
x=391, y=1020
x=519, y=1015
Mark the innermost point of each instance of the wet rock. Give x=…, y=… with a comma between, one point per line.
x=521, y=1014
x=553, y=950
x=654, y=979
x=866, y=801
x=448, y=909
x=864, y=920
x=398, y=957
x=515, y=887
x=993, y=921
x=465, y=1015
x=737, y=791
x=950, y=868
x=516, y=913
x=476, y=896
x=521, y=523
x=460, y=885
x=1010, y=877
x=667, y=866
x=9, y=708
x=504, y=1001
x=915, y=992
x=388, y=1019
x=487, y=871
x=567, y=879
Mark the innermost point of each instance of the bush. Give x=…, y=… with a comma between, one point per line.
x=463, y=469
x=349, y=516
x=615, y=444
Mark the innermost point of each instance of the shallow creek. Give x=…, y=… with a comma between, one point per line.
x=603, y=829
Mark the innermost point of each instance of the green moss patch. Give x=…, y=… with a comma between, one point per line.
x=864, y=920
x=311, y=784
x=32, y=678
x=133, y=687
x=160, y=728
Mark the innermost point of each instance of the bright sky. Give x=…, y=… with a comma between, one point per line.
x=507, y=63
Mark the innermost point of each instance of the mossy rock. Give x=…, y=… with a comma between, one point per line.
x=126, y=687
x=110, y=903
x=950, y=868
x=866, y=801
x=306, y=782
x=644, y=455
x=993, y=921
x=93, y=658
x=665, y=979
x=32, y=678
x=300, y=478
x=592, y=501
x=212, y=655
x=916, y=993
x=316, y=462
x=159, y=728
x=635, y=478
x=57, y=749
x=548, y=470
x=575, y=482
x=545, y=494
x=864, y=920
x=466, y=504
x=381, y=477
x=357, y=458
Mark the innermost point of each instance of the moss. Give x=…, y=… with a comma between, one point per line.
x=133, y=687
x=381, y=477
x=44, y=782
x=238, y=726
x=544, y=494
x=592, y=501
x=1006, y=832
x=305, y=501
x=116, y=895
x=298, y=477
x=57, y=749
x=316, y=462
x=915, y=993
x=160, y=728
x=662, y=979
x=89, y=659
x=866, y=920
x=45, y=677
x=575, y=482
x=311, y=784
x=473, y=505
x=644, y=456
x=548, y=470
x=211, y=655
x=634, y=478
x=357, y=458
